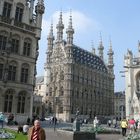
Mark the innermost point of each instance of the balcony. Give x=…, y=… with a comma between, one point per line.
x=18, y=24
x=5, y=19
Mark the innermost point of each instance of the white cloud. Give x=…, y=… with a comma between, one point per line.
x=81, y=22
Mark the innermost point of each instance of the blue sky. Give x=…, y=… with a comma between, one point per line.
x=115, y=19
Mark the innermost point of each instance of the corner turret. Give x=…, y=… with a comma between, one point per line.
x=39, y=9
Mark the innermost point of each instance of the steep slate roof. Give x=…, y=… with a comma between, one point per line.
x=39, y=79
x=84, y=57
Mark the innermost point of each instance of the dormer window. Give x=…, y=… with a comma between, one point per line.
x=6, y=10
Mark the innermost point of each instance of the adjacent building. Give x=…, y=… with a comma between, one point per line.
x=119, y=105
x=75, y=79
x=20, y=31
x=132, y=84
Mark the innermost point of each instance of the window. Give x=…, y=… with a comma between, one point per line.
x=51, y=77
x=12, y=73
x=8, y=101
x=6, y=10
x=50, y=92
x=15, y=46
x=62, y=75
x=19, y=14
x=26, y=48
x=138, y=82
x=61, y=91
x=24, y=74
x=37, y=110
x=3, y=40
x=39, y=87
x=60, y=109
x=1, y=71
x=21, y=103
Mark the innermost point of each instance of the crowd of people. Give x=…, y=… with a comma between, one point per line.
x=132, y=125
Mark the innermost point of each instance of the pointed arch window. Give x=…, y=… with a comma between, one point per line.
x=21, y=102
x=12, y=71
x=6, y=10
x=19, y=12
x=1, y=68
x=15, y=45
x=138, y=82
x=51, y=77
x=27, y=47
x=61, y=91
x=3, y=40
x=62, y=75
x=24, y=73
x=8, y=101
x=50, y=92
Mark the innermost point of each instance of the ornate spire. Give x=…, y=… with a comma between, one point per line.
x=93, y=48
x=51, y=32
x=60, y=27
x=50, y=38
x=70, y=31
x=110, y=59
x=101, y=48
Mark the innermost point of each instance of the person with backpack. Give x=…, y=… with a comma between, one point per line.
x=124, y=125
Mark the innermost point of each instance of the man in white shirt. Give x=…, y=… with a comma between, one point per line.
x=25, y=129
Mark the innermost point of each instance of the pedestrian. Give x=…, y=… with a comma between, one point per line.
x=20, y=129
x=95, y=122
x=2, y=118
x=54, y=121
x=114, y=123
x=109, y=122
x=132, y=125
x=36, y=132
x=28, y=121
x=124, y=125
x=136, y=125
x=25, y=129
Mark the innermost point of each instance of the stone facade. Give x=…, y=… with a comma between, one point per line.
x=132, y=84
x=75, y=79
x=20, y=31
x=119, y=105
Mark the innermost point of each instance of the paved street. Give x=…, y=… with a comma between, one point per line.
x=51, y=135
